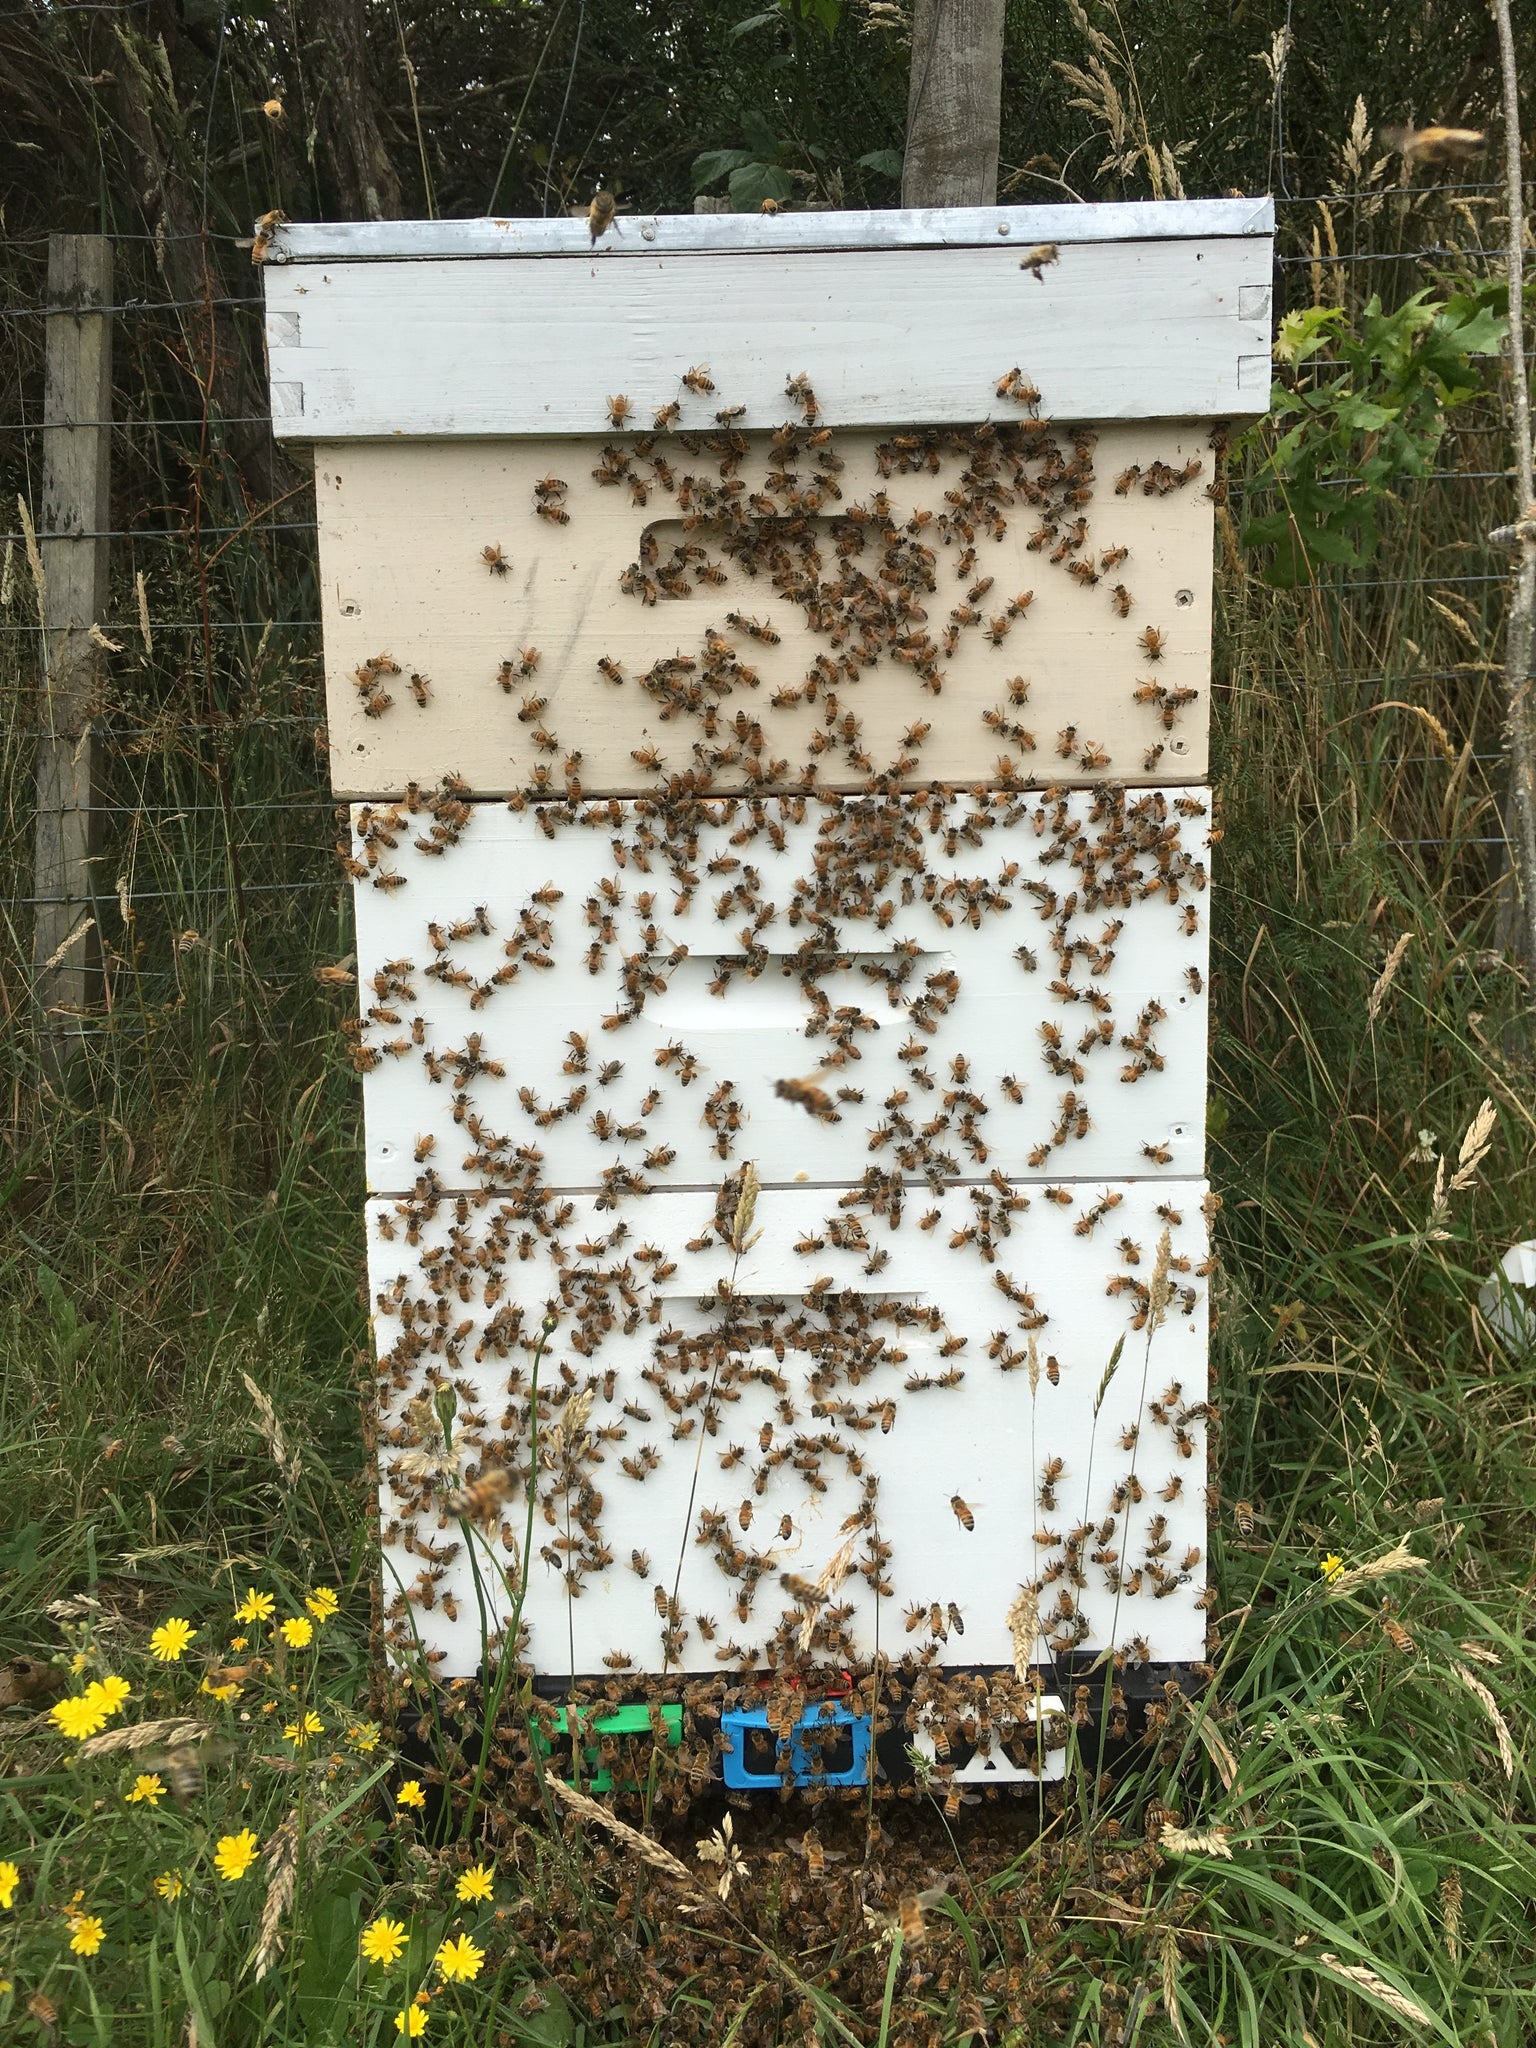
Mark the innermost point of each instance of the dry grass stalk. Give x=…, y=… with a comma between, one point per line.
x=746, y=1209
x=270, y=1430
x=1386, y=977
x=282, y=1860
x=142, y=595
x=1479, y=1653
x=34, y=559
x=1394, y=2000
x=1490, y=1707
x=1159, y=1290
x=1474, y=1149
x=170, y=1734
x=647, y=1850
x=1398, y=1559
x=1168, y=1970
x=1191, y=1842
x=1450, y=1911
x=1023, y=1619
x=827, y=1580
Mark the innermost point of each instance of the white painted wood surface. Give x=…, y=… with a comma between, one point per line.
x=404, y=527
x=1022, y=227
x=914, y=955
x=442, y=347
x=987, y=1437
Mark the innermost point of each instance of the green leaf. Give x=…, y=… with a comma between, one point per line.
x=888, y=162
x=745, y=28
x=715, y=163
x=754, y=183
x=760, y=139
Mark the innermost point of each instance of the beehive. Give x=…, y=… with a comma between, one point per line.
x=770, y=661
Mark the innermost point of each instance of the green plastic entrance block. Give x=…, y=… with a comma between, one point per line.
x=634, y=1720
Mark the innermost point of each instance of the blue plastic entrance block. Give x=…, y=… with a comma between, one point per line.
x=737, y=1724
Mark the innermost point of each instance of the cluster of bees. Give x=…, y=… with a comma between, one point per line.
x=545, y=1349
x=864, y=578
x=870, y=919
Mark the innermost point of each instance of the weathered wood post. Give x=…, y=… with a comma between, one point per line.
x=73, y=553
x=954, y=104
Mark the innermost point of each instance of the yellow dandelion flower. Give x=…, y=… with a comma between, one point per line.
x=88, y=1935
x=10, y=1877
x=170, y=1639
x=323, y=1603
x=255, y=1606
x=298, y=1633
x=169, y=1885
x=78, y=1662
x=1331, y=1567
x=412, y=2022
x=222, y=1693
x=477, y=1883
x=111, y=1693
x=235, y=1854
x=238, y=1642
x=299, y=1732
x=148, y=1785
x=383, y=1940
x=459, y=1960
x=364, y=1737
x=78, y=1716
x=410, y=1794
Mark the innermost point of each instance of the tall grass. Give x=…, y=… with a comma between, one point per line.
x=1334, y=1847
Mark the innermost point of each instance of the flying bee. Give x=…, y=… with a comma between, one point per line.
x=807, y=1096
x=962, y=1513
x=620, y=411
x=185, y=1767
x=481, y=1500
x=1035, y=261
x=494, y=559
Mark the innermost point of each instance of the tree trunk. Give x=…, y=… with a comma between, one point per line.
x=362, y=178
x=954, y=103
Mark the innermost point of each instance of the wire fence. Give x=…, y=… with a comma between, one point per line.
x=218, y=887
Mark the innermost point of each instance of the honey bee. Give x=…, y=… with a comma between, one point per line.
x=611, y=670
x=618, y=1660
x=815, y=1855
x=1121, y=600
x=1242, y=1514
x=1152, y=642
x=619, y=411
x=640, y=1563
x=698, y=379
x=421, y=688
x=955, y=1621
x=962, y=1512
x=909, y=1919
x=1396, y=1634
x=807, y=1096
x=666, y=417
x=481, y=1500
x=1160, y=1155
x=1035, y=261
x=728, y=414
x=494, y=559
x=185, y=1767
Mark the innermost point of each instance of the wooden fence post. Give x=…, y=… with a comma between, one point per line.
x=954, y=103
x=76, y=512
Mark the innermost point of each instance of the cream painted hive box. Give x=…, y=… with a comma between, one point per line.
x=769, y=662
